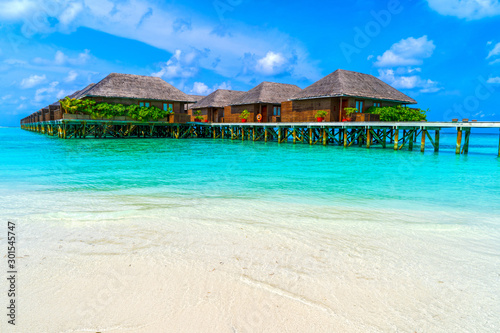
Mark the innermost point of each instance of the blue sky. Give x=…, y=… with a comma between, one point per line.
x=443, y=53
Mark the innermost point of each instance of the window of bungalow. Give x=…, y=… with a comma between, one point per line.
x=146, y=104
x=277, y=111
x=167, y=106
x=359, y=106
x=376, y=104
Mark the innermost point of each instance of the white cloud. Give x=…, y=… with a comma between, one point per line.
x=70, y=13
x=200, y=88
x=181, y=65
x=139, y=20
x=16, y=9
x=399, y=80
x=271, y=64
x=494, y=52
x=62, y=59
x=49, y=93
x=494, y=80
x=466, y=9
x=72, y=75
x=223, y=85
x=407, y=52
x=32, y=81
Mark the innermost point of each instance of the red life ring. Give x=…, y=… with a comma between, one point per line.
x=259, y=117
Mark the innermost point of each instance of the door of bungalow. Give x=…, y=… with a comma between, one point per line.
x=345, y=103
x=215, y=116
x=263, y=112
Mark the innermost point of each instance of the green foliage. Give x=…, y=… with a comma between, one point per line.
x=198, y=115
x=349, y=111
x=245, y=114
x=71, y=105
x=321, y=114
x=106, y=110
x=399, y=113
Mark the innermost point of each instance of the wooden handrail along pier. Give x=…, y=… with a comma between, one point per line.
x=396, y=134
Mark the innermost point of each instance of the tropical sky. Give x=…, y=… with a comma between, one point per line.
x=443, y=53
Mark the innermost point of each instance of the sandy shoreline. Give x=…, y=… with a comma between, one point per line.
x=241, y=274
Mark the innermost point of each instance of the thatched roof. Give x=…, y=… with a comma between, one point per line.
x=267, y=92
x=353, y=84
x=219, y=99
x=136, y=87
x=79, y=94
x=196, y=98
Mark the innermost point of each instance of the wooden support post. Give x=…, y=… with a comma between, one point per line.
x=324, y=136
x=436, y=141
x=310, y=136
x=422, y=142
x=410, y=140
x=345, y=137
x=232, y=133
x=396, y=139
x=294, y=133
x=222, y=131
x=459, y=141
x=253, y=134
x=384, y=138
x=279, y=134
x=213, y=130
x=265, y=134
x=466, y=141
x=368, y=138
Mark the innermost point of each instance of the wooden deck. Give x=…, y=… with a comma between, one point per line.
x=397, y=135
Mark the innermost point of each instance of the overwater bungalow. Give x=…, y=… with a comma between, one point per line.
x=128, y=89
x=263, y=101
x=337, y=91
x=212, y=106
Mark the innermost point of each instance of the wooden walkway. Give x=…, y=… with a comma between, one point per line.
x=396, y=135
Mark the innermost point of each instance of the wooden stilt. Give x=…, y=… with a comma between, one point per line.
x=294, y=133
x=368, y=138
x=410, y=140
x=324, y=137
x=310, y=136
x=384, y=138
x=396, y=139
x=265, y=134
x=459, y=140
x=345, y=137
x=465, y=149
x=436, y=141
x=422, y=142
x=279, y=134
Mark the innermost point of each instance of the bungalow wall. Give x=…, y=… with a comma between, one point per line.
x=212, y=114
x=232, y=113
x=305, y=110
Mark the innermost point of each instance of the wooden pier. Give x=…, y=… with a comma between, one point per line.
x=384, y=134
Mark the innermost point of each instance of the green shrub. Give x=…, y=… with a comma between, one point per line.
x=398, y=113
x=349, y=111
x=106, y=110
x=321, y=114
x=245, y=114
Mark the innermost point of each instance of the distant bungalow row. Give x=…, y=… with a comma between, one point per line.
x=267, y=102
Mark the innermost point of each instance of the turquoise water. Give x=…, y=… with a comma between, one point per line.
x=425, y=216
x=233, y=169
